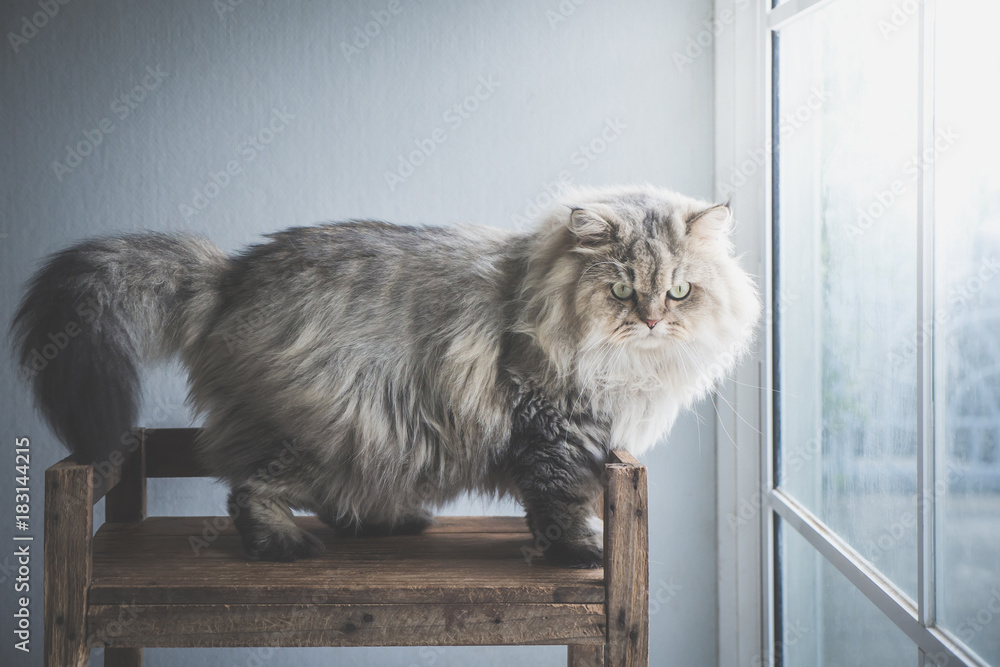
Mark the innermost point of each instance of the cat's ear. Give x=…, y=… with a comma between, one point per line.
x=713, y=225
x=592, y=226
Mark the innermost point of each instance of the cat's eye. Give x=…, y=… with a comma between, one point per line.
x=621, y=290
x=680, y=291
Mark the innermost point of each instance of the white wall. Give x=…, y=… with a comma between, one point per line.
x=564, y=72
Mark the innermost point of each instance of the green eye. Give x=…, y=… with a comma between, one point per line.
x=621, y=290
x=678, y=292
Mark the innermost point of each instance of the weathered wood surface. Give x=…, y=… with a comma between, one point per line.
x=182, y=581
x=626, y=563
x=123, y=657
x=187, y=525
x=69, y=518
x=625, y=458
x=345, y=625
x=460, y=560
x=585, y=655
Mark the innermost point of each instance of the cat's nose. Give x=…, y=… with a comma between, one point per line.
x=651, y=323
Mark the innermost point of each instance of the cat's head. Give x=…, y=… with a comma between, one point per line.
x=640, y=268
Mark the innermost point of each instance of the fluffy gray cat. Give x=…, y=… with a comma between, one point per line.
x=369, y=372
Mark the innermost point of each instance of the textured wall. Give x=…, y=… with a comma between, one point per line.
x=239, y=118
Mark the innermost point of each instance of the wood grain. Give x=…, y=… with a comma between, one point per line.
x=69, y=519
x=123, y=657
x=460, y=560
x=624, y=457
x=585, y=655
x=346, y=625
x=182, y=581
x=626, y=563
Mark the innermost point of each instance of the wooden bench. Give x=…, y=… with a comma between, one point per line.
x=183, y=582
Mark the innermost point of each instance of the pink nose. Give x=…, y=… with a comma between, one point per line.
x=651, y=323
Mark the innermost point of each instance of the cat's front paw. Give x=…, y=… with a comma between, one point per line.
x=575, y=554
x=281, y=545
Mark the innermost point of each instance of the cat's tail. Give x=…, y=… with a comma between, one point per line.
x=94, y=313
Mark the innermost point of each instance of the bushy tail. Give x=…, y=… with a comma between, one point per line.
x=94, y=313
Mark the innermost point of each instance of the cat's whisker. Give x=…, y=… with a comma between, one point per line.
x=733, y=408
x=757, y=386
x=723, y=424
x=596, y=369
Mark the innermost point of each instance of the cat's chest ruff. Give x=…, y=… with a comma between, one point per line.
x=637, y=419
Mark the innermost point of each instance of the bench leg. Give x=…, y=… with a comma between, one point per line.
x=122, y=657
x=69, y=521
x=626, y=565
x=586, y=655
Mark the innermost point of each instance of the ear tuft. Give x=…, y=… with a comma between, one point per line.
x=592, y=225
x=713, y=224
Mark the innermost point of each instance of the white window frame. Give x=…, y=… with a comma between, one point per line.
x=748, y=504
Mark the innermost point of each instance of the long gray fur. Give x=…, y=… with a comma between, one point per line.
x=370, y=372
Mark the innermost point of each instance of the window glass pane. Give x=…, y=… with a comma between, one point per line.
x=846, y=297
x=826, y=621
x=967, y=301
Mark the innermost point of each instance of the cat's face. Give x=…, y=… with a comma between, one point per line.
x=648, y=269
x=650, y=273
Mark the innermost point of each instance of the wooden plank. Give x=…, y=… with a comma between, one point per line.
x=318, y=624
x=126, y=502
x=105, y=477
x=626, y=558
x=585, y=655
x=188, y=525
x=122, y=657
x=170, y=452
x=624, y=457
x=443, y=565
x=69, y=518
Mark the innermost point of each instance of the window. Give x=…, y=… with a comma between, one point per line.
x=877, y=501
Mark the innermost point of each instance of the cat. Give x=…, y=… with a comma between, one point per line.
x=370, y=372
